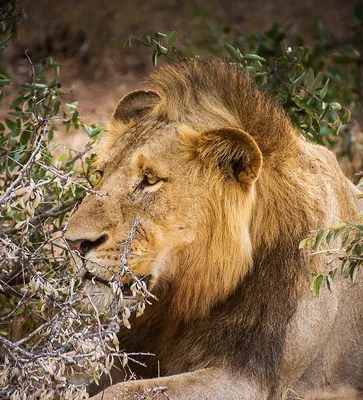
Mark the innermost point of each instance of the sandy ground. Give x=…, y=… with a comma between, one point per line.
x=86, y=38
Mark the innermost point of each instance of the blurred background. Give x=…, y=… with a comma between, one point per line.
x=87, y=38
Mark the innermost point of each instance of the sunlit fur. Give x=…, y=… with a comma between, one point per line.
x=218, y=260
x=246, y=218
x=234, y=290
x=113, y=132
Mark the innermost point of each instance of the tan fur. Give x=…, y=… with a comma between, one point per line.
x=338, y=394
x=112, y=133
x=234, y=189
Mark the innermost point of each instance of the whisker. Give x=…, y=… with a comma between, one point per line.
x=139, y=261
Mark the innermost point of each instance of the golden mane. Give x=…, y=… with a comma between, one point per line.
x=221, y=256
x=203, y=95
x=212, y=94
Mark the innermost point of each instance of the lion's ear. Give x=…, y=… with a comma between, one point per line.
x=233, y=151
x=134, y=105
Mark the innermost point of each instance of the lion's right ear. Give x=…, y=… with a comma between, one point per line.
x=231, y=151
x=134, y=105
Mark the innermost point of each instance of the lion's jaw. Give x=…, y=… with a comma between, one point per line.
x=101, y=268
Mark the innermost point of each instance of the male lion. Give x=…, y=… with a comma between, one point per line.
x=225, y=188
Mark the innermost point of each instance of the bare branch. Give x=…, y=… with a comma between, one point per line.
x=26, y=166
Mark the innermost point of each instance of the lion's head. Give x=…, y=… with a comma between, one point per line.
x=187, y=161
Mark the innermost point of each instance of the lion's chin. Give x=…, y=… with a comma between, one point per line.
x=100, y=296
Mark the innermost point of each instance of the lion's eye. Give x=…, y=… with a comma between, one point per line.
x=151, y=179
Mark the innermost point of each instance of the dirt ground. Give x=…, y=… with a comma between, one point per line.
x=86, y=38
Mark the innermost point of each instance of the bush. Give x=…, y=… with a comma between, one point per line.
x=45, y=338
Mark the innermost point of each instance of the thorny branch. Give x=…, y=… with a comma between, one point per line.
x=125, y=270
x=25, y=168
x=53, y=340
x=71, y=338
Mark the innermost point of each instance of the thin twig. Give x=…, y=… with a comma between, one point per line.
x=79, y=155
x=37, y=149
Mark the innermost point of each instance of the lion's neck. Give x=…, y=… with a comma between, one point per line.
x=209, y=271
x=249, y=228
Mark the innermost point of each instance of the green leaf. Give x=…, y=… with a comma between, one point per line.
x=335, y=106
x=303, y=104
x=163, y=50
x=154, y=57
x=56, y=108
x=339, y=226
x=309, y=244
x=172, y=38
x=71, y=106
x=316, y=125
x=346, y=116
x=10, y=124
x=56, y=69
x=54, y=83
x=4, y=82
x=254, y=57
x=345, y=237
x=159, y=35
x=25, y=136
x=39, y=86
x=329, y=237
x=75, y=119
x=317, y=82
x=317, y=284
x=324, y=90
x=126, y=41
x=344, y=266
x=94, y=132
x=299, y=79
x=15, y=130
x=319, y=236
x=233, y=52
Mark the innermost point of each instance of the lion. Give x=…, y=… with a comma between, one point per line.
x=225, y=188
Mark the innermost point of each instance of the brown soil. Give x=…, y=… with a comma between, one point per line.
x=86, y=37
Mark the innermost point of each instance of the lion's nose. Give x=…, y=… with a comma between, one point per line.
x=83, y=246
